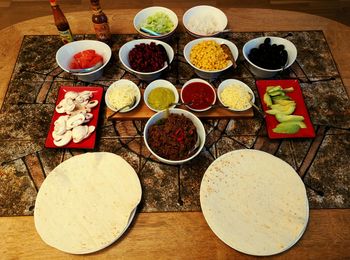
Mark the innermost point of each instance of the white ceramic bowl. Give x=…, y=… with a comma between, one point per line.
x=204, y=15
x=206, y=74
x=118, y=84
x=141, y=16
x=186, y=85
x=147, y=76
x=229, y=82
x=267, y=73
x=156, y=84
x=163, y=114
x=66, y=53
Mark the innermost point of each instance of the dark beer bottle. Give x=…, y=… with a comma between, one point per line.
x=100, y=22
x=61, y=23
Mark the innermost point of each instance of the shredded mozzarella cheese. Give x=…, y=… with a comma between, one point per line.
x=236, y=97
x=121, y=96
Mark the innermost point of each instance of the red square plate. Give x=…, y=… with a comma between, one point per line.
x=300, y=109
x=88, y=143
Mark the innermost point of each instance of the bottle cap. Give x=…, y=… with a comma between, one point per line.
x=53, y=2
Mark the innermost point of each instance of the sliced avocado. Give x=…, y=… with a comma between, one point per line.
x=286, y=110
x=276, y=93
x=273, y=88
x=267, y=100
x=284, y=101
x=286, y=118
x=287, y=128
x=301, y=124
x=283, y=107
x=274, y=99
x=290, y=89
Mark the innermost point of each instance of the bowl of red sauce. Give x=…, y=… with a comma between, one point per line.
x=198, y=95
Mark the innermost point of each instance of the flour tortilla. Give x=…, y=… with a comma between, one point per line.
x=87, y=202
x=254, y=202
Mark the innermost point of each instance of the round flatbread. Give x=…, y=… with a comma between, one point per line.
x=254, y=202
x=87, y=202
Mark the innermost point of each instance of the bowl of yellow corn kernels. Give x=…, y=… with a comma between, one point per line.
x=209, y=57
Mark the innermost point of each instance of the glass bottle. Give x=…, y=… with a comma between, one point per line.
x=61, y=23
x=100, y=21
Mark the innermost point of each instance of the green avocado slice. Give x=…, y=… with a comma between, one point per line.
x=286, y=118
x=267, y=100
x=287, y=128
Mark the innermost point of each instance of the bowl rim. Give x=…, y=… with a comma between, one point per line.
x=202, y=81
x=217, y=40
x=148, y=41
x=224, y=84
x=272, y=37
x=70, y=44
x=186, y=15
x=136, y=26
x=117, y=84
x=162, y=83
x=185, y=113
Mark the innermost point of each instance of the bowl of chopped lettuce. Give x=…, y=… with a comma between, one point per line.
x=155, y=22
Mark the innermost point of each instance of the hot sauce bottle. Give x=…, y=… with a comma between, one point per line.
x=100, y=21
x=61, y=23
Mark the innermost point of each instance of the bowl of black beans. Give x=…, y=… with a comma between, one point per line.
x=267, y=56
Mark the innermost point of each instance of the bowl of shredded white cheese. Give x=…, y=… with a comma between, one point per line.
x=122, y=93
x=235, y=94
x=204, y=21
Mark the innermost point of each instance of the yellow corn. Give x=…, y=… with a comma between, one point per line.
x=208, y=55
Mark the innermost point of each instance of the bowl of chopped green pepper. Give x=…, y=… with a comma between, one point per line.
x=155, y=22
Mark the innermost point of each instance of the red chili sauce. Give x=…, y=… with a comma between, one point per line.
x=199, y=94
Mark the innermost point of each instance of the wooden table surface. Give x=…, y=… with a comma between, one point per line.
x=182, y=235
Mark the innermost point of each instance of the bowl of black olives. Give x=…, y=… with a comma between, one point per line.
x=267, y=56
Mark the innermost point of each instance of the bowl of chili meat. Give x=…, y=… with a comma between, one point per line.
x=198, y=95
x=145, y=58
x=172, y=135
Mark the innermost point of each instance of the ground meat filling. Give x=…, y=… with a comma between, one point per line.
x=173, y=138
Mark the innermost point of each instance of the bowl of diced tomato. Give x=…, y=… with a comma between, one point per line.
x=84, y=54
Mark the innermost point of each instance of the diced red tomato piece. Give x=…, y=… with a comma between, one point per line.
x=96, y=60
x=85, y=59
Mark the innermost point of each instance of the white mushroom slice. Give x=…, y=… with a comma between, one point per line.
x=79, y=111
x=91, y=130
x=75, y=120
x=88, y=117
x=56, y=136
x=71, y=94
x=60, y=119
x=60, y=108
x=60, y=125
x=92, y=103
x=79, y=133
x=69, y=105
x=65, y=139
x=83, y=96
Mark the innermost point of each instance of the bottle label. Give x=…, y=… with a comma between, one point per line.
x=66, y=36
x=102, y=31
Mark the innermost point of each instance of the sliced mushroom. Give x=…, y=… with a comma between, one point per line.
x=79, y=133
x=92, y=103
x=69, y=105
x=88, y=117
x=64, y=139
x=71, y=94
x=60, y=125
x=60, y=108
x=75, y=120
